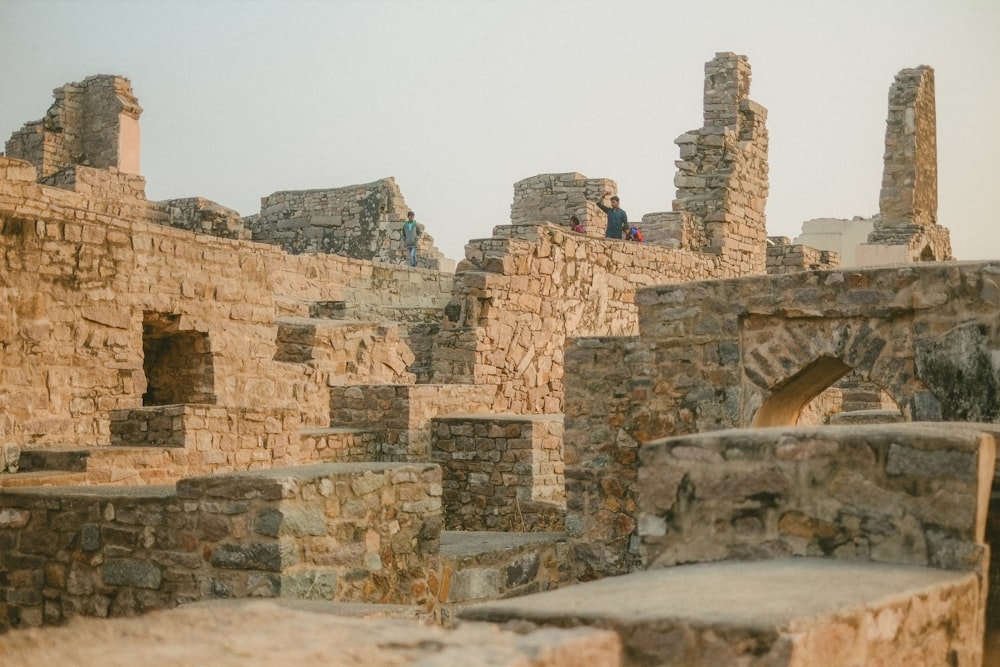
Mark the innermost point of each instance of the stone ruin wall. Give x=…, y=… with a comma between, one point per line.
x=360, y=221
x=737, y=354
x=510, y=316
x=909, y=178
x=82, y=273
x=722, y=174
x=92, y=123
x=285, y=533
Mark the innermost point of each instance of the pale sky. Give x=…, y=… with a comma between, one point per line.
x=459, y=99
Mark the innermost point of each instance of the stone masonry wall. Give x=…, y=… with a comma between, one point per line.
x=908, y=200
x=82, y=270
x=722, y=174
x=496, y=469
x=555, y=197
x=903, y=493
x=94, y=123
x=329, y=532
x=738, y=353
x=401, y=415
x=754, y=351
x=361, y=221
x=909, y=177
x=783, y=257
x=202, y=216
x=525, y=291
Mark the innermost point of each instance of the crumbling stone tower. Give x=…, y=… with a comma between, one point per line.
x=93, y=123
x=907, y=228
x=722, y=176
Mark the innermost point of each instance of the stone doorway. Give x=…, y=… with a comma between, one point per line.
x=177, y=363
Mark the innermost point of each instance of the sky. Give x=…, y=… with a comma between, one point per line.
x=460, y=99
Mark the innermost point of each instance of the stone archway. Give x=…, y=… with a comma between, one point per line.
x=789, y=361
x=787, y=399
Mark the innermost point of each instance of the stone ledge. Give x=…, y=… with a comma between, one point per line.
x=768, y=612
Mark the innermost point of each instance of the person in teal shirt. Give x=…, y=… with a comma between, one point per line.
x=617, y=218
x=411, y=235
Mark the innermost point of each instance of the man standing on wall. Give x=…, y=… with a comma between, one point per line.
x=617, y=218
x=411, y=233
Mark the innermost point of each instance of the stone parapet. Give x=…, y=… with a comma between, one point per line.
x=501, y=472
x=913, y=494
x=347, y=532
x=788, y=258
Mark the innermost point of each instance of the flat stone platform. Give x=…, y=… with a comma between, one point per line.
x=261, y=633
x=799, y=612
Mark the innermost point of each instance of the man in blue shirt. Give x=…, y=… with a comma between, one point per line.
x=617, y=218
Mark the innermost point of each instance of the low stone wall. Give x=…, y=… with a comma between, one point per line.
x=496, y=469
x=400, y=415
x=202, y=216
x=347, y=532
x=902, y=493
x=219, y=438
x=783, y=257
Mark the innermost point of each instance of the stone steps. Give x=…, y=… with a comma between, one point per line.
x=42, y=478
x=768, y=612
x=475, y=566
x=867, y=417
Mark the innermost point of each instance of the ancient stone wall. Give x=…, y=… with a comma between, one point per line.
x=906, y=229
x=202, y=216
x=522, y=293
x=555, y=197
x=401, y=415
x=500, y=472
x=360, y=221
x=753, y=352
x=784, y=257
x=90, y=283
x=722, y=174
x=902, y=493
x=332, y=532
x=94, y=123
x=909, y=177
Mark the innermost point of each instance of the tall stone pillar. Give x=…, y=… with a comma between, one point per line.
x=909, y=175
x=906, y=229
x=722, y=174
